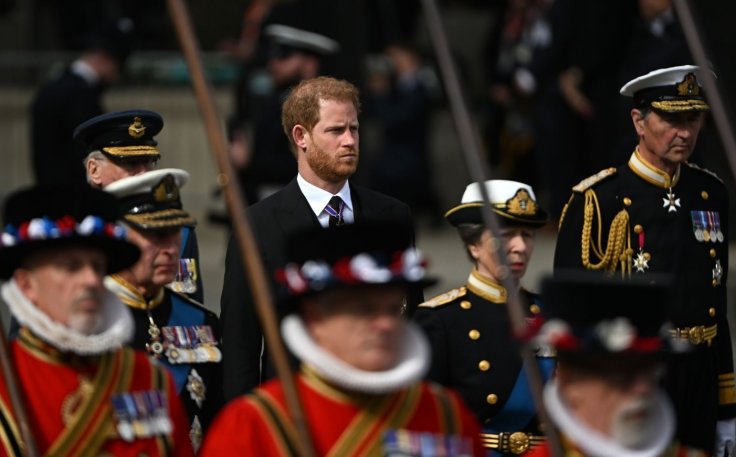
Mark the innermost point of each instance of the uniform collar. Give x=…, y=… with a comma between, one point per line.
x=486, y=288
x=129, y=294
x=650, y=173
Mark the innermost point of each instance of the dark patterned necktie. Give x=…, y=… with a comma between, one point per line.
x=334, y=209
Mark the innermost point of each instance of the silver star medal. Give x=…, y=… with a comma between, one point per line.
x=671, y=202
x=196, y=387
x=641, y=263
x=717, y=272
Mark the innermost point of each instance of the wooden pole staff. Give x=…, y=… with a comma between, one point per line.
x=715, y=100
x=242, y=231
x=16, y=398
x=469, y=140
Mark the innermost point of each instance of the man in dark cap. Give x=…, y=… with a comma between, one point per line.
x=119, y=144
x=175, y=330
x=473, y=350
x=74, y=97
x=362, y=362
x=122, y=144
x=266, y=162
x=661, y=213
x=606, y=398
x=612, y=338
x=83, y=392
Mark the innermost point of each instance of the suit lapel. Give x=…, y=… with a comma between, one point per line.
x=293, y=212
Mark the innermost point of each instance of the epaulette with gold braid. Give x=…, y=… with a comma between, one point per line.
x=445, y=298
x=592, y=180
x=704, y=170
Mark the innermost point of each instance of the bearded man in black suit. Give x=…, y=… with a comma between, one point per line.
x=320, y=118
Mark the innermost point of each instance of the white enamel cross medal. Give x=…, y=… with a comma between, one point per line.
x=671, y=202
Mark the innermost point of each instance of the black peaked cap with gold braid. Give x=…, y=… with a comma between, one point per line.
x=151, y=201
x=515, y=202
x=669, y=90
x=122, y=135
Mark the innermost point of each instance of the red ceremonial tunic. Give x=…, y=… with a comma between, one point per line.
x=68, y=400
x=342, y=424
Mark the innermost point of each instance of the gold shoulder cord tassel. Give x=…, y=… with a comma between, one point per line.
x=618, y=249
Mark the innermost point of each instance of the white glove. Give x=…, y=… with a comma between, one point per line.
x=725, y=437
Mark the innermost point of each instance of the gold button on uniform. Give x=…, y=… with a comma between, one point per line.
x=484, y=365
x=712, y=312
x=474, y=334
x=638, y=228
x=704, y=194
x=627, y=201
x=713, y=253
x=534, y=309
x=465, y=304
x=492, y=399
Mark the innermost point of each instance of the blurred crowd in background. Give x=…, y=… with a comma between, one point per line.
x=542, y=79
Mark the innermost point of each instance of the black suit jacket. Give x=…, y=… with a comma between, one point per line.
x=59, y=107
x=272, y=221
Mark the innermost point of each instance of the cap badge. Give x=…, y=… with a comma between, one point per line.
x=136, y=129
x=521, y=204
x=688, y=86
x=166, y=190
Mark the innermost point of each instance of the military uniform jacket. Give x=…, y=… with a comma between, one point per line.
x=199, y=383
x=273, y=220
x=650, y=223
x=474, y=353
x=418, y=420
x=71, y=403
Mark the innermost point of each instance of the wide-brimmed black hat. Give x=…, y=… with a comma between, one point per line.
x=114, y=36
x=40, y=218
x=589, y=312
x=151, y=200
x=670, y=90
x=122, y=135
x=359, y=254
x=515, y=202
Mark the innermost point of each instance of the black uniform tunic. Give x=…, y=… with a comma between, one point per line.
x=474, y=352
x=650, y=223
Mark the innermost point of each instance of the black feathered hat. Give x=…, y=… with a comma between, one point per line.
x=39, y=218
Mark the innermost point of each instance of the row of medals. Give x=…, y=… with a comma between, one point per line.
x=183, y=344
x=707, y=226
x=141, y=414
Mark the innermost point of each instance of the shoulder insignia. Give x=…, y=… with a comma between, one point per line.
x=445, y=298
x=704, y=170
x=593, y=180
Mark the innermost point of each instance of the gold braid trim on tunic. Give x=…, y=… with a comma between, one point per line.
x=618, y=249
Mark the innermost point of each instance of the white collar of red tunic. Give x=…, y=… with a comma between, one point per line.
x=594, y=444
x=411, y=368
x=116, y=327
x=650, y=173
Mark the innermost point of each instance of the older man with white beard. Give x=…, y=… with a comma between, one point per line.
x=610, y=336
x=83, y=392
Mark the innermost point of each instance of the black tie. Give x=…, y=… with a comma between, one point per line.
x=334, y=209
